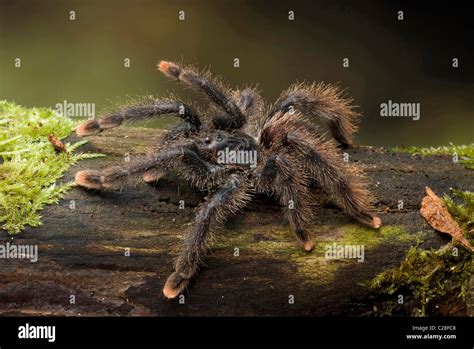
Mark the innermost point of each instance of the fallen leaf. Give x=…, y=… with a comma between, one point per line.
x=436, y=214
x=57, y=144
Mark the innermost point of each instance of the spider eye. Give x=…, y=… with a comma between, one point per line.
x=207, y=140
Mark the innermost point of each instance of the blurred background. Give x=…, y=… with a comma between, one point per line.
x=404, y=61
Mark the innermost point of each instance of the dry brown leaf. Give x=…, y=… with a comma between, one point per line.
x=57, y=144
x=436, y=214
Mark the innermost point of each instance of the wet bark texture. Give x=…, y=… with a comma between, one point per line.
x=82, y=252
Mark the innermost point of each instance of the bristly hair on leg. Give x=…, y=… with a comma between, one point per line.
x=322, y=161
x=142, y=109
x=114, y=177
x=213, y=88
x=321, y=101
x=233, y=196
x=251, y=103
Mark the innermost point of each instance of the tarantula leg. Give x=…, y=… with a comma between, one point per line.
x=320, y=101
x=352, y=196
x=251, y=103
x=280, y=177
x=153, y=175
x=216, y=93
x=186, y=161
x=247, y=99
x=232, y=196
x=301, y=234
x=112, y=177
x=192, y=167
x=322, y=160
x=89, y=179
x=183, y=129
x=139, y=112
x=182, y=159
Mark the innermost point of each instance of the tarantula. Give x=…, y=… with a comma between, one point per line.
x=293, y=157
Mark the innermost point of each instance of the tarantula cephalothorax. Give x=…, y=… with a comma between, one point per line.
x=241, y=151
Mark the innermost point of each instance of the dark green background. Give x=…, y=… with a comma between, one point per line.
x=409, y=61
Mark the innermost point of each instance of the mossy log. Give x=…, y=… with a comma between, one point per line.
x=83, y=251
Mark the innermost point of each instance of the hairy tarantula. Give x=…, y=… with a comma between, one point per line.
x=293, y=157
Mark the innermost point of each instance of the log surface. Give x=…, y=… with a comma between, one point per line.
x=82, y=251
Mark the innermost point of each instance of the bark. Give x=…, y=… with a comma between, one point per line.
x=83, y=251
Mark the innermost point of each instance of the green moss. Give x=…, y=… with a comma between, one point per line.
x=432, y=282
x=357, y=234
x=462, y=212
x=280, y=243
x=465, y=153
x=30, y=165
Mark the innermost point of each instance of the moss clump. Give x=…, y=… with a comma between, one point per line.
x=280, y=243
x=432, y=282
x=465, y=153
x=462, y=212
x=30, y=166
